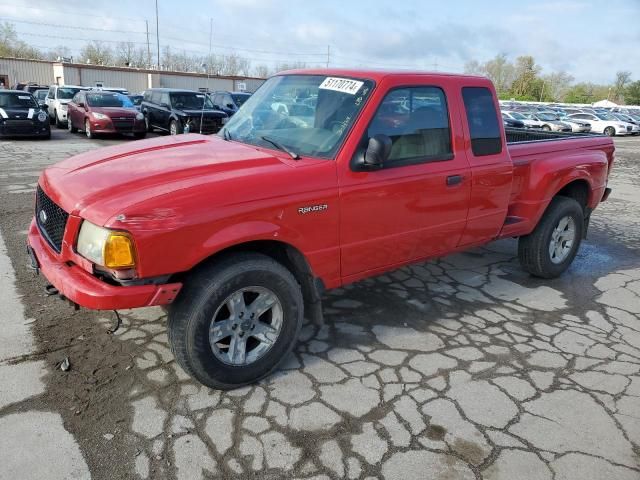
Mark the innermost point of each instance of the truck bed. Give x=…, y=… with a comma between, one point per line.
x=543, y=158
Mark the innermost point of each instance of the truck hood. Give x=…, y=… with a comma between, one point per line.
x=100, y=184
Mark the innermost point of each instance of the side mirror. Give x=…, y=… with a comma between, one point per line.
x=378, y=150
x=81, y=104
x=231, y=106
x=44, y=106
x=165, y=105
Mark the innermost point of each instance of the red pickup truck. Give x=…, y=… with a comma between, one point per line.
x=322, y=178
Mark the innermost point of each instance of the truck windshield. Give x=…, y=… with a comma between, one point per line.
x=280, y=110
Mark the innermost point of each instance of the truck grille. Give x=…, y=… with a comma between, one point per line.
x=51, y=220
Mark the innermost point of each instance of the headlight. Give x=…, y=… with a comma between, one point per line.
x=63, y=106
x=109, y=248
x=139, y=116
x=99, y=116
x=42, y=116
x=621, y=126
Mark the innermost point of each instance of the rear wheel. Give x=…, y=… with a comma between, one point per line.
x=551, y=247
x=234, y=321
x=610, y=131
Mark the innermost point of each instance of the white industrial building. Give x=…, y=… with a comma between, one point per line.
x=15, y=70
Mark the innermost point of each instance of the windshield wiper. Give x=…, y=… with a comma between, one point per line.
x=279, y=146
x=226, y=135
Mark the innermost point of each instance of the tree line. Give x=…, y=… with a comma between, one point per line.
x=524, y=80
x=129, y=54
x=520, y=80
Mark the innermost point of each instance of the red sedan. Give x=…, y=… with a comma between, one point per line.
x=97, y=112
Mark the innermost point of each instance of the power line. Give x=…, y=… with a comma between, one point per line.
x=72, y=27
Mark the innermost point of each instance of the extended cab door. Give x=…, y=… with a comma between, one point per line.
x=416, y=205
x=491, y=165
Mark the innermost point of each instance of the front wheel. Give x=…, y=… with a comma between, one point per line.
x=174, y=128
x=87, y=129
x=235, y=320
x=59, y=123
x=610, y=131
x=549, y=250
x=546, y=128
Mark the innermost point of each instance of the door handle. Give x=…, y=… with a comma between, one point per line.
x=454, y=180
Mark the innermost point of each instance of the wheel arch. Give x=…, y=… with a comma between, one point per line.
x=282, y=252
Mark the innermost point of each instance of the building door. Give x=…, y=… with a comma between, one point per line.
x=4, y=81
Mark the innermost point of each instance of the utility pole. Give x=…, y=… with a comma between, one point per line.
x=328, y=54
x=148, y=46
x=542, y=91
x=157, y=35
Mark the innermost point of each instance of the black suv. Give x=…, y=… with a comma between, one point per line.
x=229, y=102
x=21, y=116
x=179, y=111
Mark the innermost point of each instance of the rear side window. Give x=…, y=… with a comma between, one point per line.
x=483, y=121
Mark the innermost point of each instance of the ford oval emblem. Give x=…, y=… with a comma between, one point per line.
x=43, y=216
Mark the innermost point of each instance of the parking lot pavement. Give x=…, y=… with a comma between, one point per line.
x=464, y=367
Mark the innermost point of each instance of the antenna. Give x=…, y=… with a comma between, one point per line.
x=204, y=65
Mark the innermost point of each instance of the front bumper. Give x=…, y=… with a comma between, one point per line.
x=80, y=287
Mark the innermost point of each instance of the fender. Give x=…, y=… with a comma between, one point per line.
x=547, y=175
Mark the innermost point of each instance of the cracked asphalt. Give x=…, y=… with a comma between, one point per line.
x=460, y=368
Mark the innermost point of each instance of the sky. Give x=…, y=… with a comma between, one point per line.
x=589, y=40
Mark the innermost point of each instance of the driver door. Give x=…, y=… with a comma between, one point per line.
x=416, y=205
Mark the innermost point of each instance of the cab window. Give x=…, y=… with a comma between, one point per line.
x=416, y=119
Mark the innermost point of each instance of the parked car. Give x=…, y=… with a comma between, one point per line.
x=179, y=111
x=33, y=87
x=57, y=100
x=547, y=121
x=635, y=130
x=604, y=123
x=41, y=96
x=136, y=100
x=21, y=116
x=512, y=116
x=240, y=233
x=512, y=122
x=229, y=102
x=576, y=125
x=97, y=112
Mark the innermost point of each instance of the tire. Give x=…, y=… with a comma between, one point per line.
x=70, y=126
x=206, y=293
x=148, y=125
x=546, y=128
x=140, y=135
x=87, y=129
x=610, y=131
x=175, y=128
x=59, y=123
x=535, y=250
